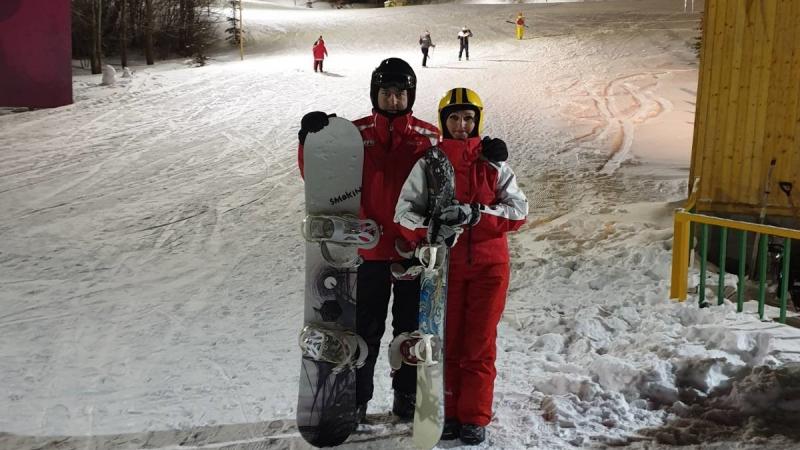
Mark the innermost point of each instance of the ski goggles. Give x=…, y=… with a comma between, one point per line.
x=393, y=80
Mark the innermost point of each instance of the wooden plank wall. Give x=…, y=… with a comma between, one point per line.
x=748, y=106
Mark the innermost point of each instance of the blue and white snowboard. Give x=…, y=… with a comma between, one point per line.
x=425, y=346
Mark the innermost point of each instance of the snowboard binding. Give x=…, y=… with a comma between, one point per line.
x=414, y=349
x=406, y=250
x=401, y=273
x=344, y=349
x=429, y=257
x=344, y=231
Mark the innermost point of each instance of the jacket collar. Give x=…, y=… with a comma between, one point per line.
x=470, y=148
x=398, y=124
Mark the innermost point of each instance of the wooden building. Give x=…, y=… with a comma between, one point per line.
x=748, y=111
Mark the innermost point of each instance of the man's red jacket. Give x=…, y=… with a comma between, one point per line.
x=320, y=52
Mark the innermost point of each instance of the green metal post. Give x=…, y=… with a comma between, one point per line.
x=787, y=250
x=701, y=290
x=742, y=258
x=723, y=254
x=762, y=273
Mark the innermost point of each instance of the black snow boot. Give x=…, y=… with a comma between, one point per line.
x=451, y=430
x=404, y=404
x=472, y=434
x=361, y=413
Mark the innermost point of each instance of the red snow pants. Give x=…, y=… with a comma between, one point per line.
x=476, y=296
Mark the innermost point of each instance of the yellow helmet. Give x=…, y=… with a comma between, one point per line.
x=457, y=99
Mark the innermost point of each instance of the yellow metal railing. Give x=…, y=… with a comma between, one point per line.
x=681, y=250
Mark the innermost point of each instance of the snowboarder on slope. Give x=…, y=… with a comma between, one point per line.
x=425, y=43
x=489, y=205
x=320, y=52
x=393, y=142
x=463, y=38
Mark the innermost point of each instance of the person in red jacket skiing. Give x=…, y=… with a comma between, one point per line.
x=320, y=52
x=393, y=142
x=488, y=205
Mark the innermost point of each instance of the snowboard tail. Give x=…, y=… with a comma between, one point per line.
x=331, y=416
x=429, y=412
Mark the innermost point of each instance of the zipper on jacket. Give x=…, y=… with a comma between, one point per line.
x=469, y=196
x=469, y=246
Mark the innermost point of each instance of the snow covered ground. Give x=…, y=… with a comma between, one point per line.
x=152, y=272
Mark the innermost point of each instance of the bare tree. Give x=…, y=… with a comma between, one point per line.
x=148, y=32
x=97, y=37
x=157, y=28
x=123, y=41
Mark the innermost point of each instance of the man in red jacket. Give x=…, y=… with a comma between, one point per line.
x=393, y=142
x=490, y=204
x=320, y=52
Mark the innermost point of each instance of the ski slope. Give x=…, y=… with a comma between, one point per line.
x=152, y=269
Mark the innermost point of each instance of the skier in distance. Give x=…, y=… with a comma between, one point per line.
x=463, y=38
x=320, y=52
x=425, y=44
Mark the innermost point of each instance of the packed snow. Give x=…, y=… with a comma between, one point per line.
x=152, y=265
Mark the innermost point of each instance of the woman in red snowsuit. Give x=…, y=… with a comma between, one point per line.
x=489, y=205
x=320, y=52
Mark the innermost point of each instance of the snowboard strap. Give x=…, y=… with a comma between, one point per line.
x=343, y=348
x=413, y=349
x=347, y=264
x=427, y=256
x=401, y=273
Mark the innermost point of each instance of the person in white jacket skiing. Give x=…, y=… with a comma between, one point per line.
x=425, y=43
x=463, y=38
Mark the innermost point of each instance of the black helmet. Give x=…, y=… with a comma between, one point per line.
x=393, y=73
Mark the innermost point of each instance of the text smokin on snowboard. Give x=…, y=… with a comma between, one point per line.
x=345, y=196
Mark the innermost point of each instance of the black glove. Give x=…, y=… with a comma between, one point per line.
x=494, y=149
x=461, y=214
x=442, y=234
x=311, y=123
